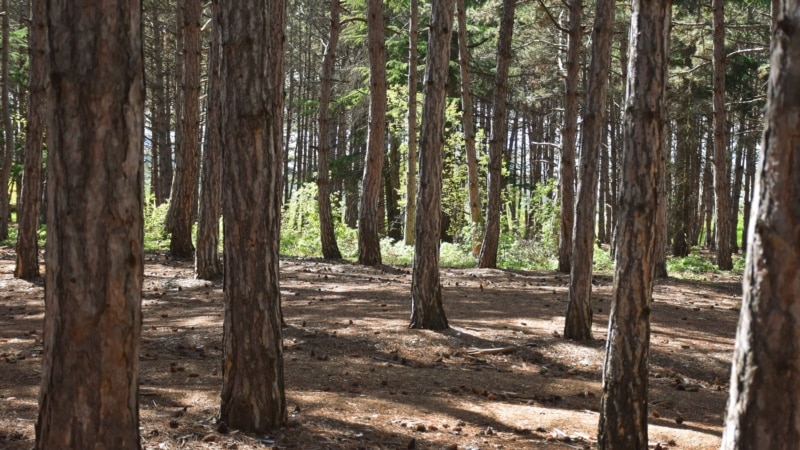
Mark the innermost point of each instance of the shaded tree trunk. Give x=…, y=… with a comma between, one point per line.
x=207, y=263
x=30, y=201
x=426, y=290
x=721, y=180
x=738, y=173
x=491, y=235
x=369, y=246
x=411, y=171
x=764, y=396
x=94, y=258
x=578, y=323
x=623, y=410
x=253, y=40
x=8, y=133
x=391, y=184
x=330, y=249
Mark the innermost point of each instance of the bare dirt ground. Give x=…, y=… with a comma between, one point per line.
x=358, y=378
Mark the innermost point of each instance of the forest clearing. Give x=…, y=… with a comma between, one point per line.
x=501, y=377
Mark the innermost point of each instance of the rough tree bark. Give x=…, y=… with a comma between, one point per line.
x=721, y=180
x=411, y=171
x=30, y=201
x=578, y=324
x=623, y=410
x=207, y=264
x=426, y=290
x=497, y=141
x=765, y=378
x=253, y=40
x=369, y=245
x=94, y=259
x=330, y=249
x=568, y=134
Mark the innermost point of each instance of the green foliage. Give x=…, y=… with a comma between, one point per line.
x=602, y=261
x=300, y=224
x=156, y=237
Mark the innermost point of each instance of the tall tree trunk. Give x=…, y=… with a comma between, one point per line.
x=623, y=410
x=207, y=263
x=27, y=246
x=369, y=246
x=162, y=126
x=738, y=173
x=578, y=324
x=568, y=134
x=411, y=171
x=94, y=258
x=8, y=133
x=426, y=290
x=330, y=249
x=491, y=235
x=184, y=198
x=469, y=127
x=391, y=185
x=253, y=396
x=721, y=179
x=750, y=169
x=764, y=395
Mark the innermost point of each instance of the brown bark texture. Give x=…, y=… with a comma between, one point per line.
x=94, y=258
x=578, y=323
x=623, y=410
x=765, y=378
x=426, y=290
x=497, y=141
x=253, y=36
x=207, y=263
x=568, y=134
x=27, y=264
x=369, y=246
x=184, y=197
x=722, y=182
x=411, y=171
x=330, y=249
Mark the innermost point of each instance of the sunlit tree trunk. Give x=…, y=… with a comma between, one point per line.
x=497, y=142
x=765, y=377
x=253, y=36
x=411, y=171
x=623, y=409
x=721, y=181
x=578, y=324
x=30, y=200
x=426, y=290
x=94, y=259
x=369, y=246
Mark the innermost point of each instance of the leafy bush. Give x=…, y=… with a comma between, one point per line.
x=155, y=218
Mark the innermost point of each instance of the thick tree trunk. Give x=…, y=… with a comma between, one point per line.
x=8, y=133
x=721, y=179
x=411, y=170
x=623, y=410
x=369, y=246
x=765, y=377
x=94, y=257
x=426, y=290
x=184, y=198
x=253, y=397
x=30, y=201
x=568, y=134
x=469, y=128
x=491, y=235
x=207, y=263
x=330, y=249
x=578, y=324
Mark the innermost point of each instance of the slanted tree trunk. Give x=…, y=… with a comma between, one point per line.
x=184, y=198
x=623, y=410
x=369, y=246
x=721, y=180
x=253, y=396
x=411, y=171
x=426, y=290
x=330, y=249
x=94, y=259
x=568, y=134
x=30, y=201
x=469, y=127
x=578, y=324
x=8, y=133
x=491, y=235
x=764, y=396
x=207, y=263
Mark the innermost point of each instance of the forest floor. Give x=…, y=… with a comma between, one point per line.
x=501, y=377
